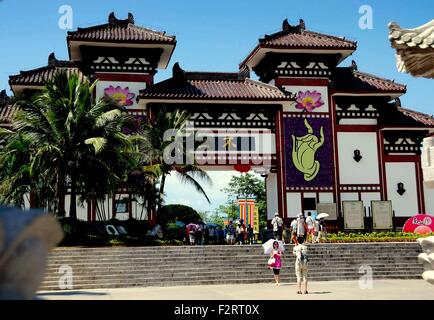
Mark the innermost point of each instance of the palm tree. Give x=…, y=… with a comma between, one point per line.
x=155, y=149
x=75, y=142
x=14, y=168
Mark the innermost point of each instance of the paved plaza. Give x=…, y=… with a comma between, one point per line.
x=330, y=290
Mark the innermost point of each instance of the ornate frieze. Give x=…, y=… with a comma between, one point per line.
x=127, y=60
x=403, y=141
x=233, y=119
x=295, y=65
x=357, y=108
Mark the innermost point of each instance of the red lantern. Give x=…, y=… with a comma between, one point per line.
x=242, y=167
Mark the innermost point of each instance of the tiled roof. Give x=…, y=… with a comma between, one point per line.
x=7, y=110
x=420, y=117
x=298, y=37
x=349, y=78
x=414, y=48
x=37, y=77
x=120, y=31
x=7, y=113
x=422, y=37
x=207, y=85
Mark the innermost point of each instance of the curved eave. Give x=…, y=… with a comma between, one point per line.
x=19, y=88
x=392, y=94
x=257, y=54
x=168, y=48
x=143, y=101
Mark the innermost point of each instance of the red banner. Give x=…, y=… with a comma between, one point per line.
x=420, y=224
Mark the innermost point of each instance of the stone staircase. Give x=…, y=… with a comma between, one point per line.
x=118, y=267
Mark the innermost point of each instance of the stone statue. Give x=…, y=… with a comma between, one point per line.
x=25, y=240
x=427, y=258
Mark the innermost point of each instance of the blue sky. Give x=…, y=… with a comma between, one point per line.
x=216, y=35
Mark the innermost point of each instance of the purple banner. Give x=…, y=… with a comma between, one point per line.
x=309, y=163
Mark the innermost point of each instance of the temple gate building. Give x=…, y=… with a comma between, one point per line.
x=318, y=132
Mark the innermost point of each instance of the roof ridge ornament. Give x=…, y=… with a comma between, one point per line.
x=287, y=27
x=353, y=66
x=398, y=102
x=112, y=19
x=4, y=98
x=130, y=18
x=52, y=60
x=302, y=25
x=244, y=72
x=177, y=72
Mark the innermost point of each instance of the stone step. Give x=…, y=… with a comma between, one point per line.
x=196, y=278
x=261, y=264
x=112, y=273
x=240, y=272
x=124, y=283
x=177, y=265
x=218, y=263
x=225, y=249
x=223, y=252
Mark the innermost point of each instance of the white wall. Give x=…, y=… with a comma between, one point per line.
x=366, y=170
x=134, y=87
x=81, y=210
x=351, y=121
x=295, y=89
x=264, y=143
x=326, y=197
x=428, y=161
x=272, y=206
x=429, y=199
x=367, y=197
x=349, y=196
x=293, y=204
x=405, y=172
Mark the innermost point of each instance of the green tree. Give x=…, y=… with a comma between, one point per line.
x=248, y=185
x=156, y=148
x=230, y=209
x=73, y=142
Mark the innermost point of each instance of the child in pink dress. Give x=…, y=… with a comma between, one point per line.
x=277, y=255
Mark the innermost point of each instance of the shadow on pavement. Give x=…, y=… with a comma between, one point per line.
x=71, y=293
x=319, y=292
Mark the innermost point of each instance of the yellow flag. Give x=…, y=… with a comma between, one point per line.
x=256, y=220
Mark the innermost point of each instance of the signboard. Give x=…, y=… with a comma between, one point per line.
x=256, y=220
x=354, y=215
x=382, y=214
x=329, y=208
x=420, y=224
x=246, y=209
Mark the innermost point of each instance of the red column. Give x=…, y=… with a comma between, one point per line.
x=281, y=179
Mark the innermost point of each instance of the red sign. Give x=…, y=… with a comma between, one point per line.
x=420, y=224
x=242, y=167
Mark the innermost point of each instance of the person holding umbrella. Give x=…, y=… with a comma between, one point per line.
x=275, y=249
x=276, y=253
x=191, y=230
x=322, y=234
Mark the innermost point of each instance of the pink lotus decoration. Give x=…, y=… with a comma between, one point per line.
x=308, y=100
x=122, y=96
